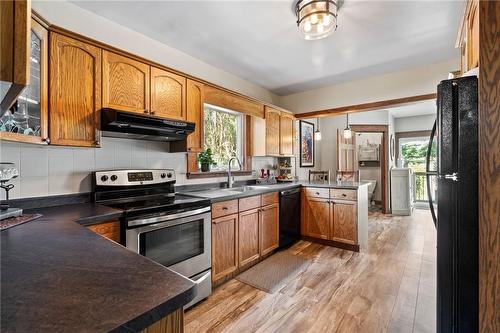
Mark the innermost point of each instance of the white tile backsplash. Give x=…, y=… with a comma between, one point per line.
x=52, y=170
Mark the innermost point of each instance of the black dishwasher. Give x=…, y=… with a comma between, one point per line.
x=289, y=217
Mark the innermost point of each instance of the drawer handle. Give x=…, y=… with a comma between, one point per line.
x=224, y=208
x=317, y=193
x=344, y=195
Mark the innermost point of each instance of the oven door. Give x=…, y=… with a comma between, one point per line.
x=181, y=242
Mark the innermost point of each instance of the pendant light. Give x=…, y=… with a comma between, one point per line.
x=347, y=130
x=317, y=134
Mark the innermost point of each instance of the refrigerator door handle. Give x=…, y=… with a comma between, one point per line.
x=428, y=175
x=453, y=176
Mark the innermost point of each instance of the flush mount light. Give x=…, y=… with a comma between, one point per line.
x=347, y=130
x=316, y=19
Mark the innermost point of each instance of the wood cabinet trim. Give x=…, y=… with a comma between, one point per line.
x=195, y=98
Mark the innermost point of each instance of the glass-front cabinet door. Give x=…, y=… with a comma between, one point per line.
x=26, y=119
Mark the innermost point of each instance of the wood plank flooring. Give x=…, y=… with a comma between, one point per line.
x=390, y=287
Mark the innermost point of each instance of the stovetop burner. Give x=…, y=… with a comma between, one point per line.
x=143, y=192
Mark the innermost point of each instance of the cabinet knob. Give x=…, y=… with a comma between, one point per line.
x=146, y=111
x=152, y=112
x=317, y=193
x=46, y=140
x=224, y=208
x=344, y=195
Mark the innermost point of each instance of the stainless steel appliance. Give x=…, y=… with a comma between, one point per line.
x=170, y=229
x=289, y=224
x=122, y=124
x=456, y=219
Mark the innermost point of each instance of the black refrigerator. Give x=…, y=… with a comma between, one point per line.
x=455, y=208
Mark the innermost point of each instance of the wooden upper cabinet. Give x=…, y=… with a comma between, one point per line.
x=468, y=36
x=75, y=92
x=269, y=228
x=224, y=246
x=272, y=131
x=315, y=220
x=344, y=222
x=195, y=99
x=168, y=94
x=125, y=83
x=286, y=134
x=248, y=236
x=15, y=49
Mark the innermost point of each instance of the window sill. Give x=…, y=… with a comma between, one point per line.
x=215, y=174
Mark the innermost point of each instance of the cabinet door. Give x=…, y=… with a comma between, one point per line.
x=286, y=134
x=168, y=94
x=224, y=246
x=269, y=228
x=315, y=217
x=248, y=236
x=345, y=222
x=125, y=83
x=272, y=132
x=33, y=100
x=75, y=92
x=195, y=98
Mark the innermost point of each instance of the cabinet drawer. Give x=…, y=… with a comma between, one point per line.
x=270, y=198
x=249, y=203
x=342, y=194
x=317, y=192
x=224, y=208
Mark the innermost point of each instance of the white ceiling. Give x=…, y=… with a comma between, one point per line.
x=415, y=109
x=259, y=40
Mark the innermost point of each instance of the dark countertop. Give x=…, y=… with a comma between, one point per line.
x=217, y=195
x=58, y=276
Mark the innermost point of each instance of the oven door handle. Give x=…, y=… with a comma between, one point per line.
x=202, y=278
x=164, y=218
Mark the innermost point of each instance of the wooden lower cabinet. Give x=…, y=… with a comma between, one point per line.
x=269, y=228
x=110, y=229
x=224, y=246
x=344, y=222
x=316, y=220
x=241, y=237
x=248, y=236
x=172, y=323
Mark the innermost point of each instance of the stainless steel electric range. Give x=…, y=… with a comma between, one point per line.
x=172, y=229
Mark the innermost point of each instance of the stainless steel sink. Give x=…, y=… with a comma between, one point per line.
x=246, y=188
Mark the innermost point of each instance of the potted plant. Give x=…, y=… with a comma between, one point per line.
x=205, y=159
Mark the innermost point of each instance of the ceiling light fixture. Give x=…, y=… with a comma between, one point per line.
x=317, y=134
x=347, y=130
x=317, y=19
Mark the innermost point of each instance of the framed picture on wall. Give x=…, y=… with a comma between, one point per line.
x=306, y=144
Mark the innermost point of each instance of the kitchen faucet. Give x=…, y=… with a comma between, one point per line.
x=230, y=179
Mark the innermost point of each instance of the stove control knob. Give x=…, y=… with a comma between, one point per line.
x=169, y=175
x=113, y=178
x=163, y=175
x=104, y=178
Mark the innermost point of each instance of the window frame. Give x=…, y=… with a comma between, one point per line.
x=240, y=136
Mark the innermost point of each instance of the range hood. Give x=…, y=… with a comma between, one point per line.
x=130, y=125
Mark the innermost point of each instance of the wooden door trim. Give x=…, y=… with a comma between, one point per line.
x=384, y=165
x=366, y=106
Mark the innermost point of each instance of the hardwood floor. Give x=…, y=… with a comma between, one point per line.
x=391, y=287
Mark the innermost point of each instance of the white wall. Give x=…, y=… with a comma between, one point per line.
x=416, y=123
x=52, y=170
x=412, y=82
x=79, y=20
